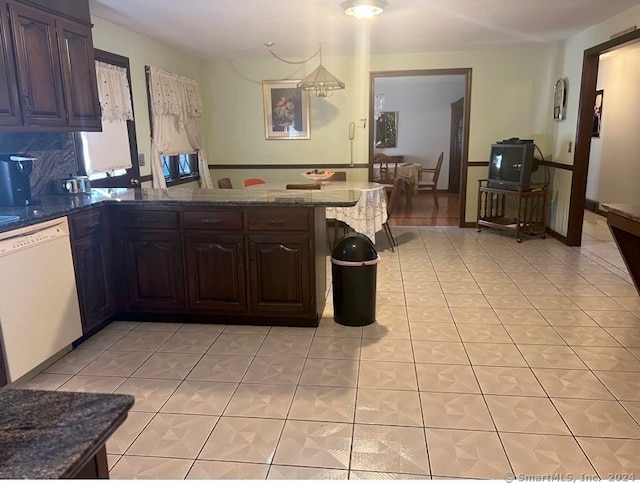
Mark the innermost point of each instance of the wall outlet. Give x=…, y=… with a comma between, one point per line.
x=141, y=161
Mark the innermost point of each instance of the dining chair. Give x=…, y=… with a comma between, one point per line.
x=303, y=186
x=252, y=181
x=432, y=183
x=392, y=201
x=338, y=176
x=225, y=184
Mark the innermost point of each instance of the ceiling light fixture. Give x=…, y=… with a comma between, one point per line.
x=320, y=81
x=366, y=9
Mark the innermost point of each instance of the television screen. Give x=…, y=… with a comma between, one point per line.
x=510, y=165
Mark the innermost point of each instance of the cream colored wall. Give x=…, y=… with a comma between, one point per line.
x=565, y=131
x=143, y=51
x=511, y=96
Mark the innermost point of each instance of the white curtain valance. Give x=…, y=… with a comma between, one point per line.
x=113, y=92
x=174, y=94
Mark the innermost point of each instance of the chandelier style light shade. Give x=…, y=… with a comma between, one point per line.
x=365, y=9
x=320, y=81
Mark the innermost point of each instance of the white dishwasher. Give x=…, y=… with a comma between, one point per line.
x=39, y=311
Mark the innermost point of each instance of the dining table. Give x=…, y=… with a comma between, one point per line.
x=366, y=217
x=398, y=170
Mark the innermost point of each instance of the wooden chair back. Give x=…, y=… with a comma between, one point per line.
x=394, y=195
x=251, y=181
x=225, y=184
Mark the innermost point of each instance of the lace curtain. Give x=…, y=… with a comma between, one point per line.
x=176, y=109
x=113, y=92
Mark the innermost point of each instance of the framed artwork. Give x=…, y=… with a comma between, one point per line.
x=597, y=114
x=286, y=110
x=387, y=130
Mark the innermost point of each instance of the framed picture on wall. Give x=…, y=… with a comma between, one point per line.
x=387, y=130
x=597, y=114
x=286, y=110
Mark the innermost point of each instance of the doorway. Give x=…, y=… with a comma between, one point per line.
x=431, y=109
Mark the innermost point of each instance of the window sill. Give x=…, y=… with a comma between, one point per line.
x=177, y=182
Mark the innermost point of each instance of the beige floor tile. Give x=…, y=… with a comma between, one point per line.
x=320, y=403
x=551, y=302
x=142, y=340
x=278, y=472
x=551, y=357
x=115, y=363
x=533, y=415
x=587, y=336
x=73, y=362
x=275, y=370
x=390, y=407
x=237, y=344
x=435, y=331
x=543, y=454
x=433, y=352
x=568, y=318
x=466, y=454
x=391, y=314
x=492, y=278
x=189, y=342
x=261, y=401
x=465, y=288
x=248, y=440
x=388, y=375
x=150, y=394
x=389, y=449
x=422, y=288
x=483, y=333
x=633, y=408
x=225, y=368
x=200, y=397
x=520, y=317
x=46, y=382
x=629, y=303
x=596, y=303
x=614, y=318
x=202, y=328
x=173, y=435
x=462, y=276
x=509, y=302
x=247, y=329
x=508, y=381
x=447, y=378
x=572, y=383
x=121, y=439
x=507, y=288
x=608, y=358
x=618, y=289
x=466, y=315
x=393, y=350
x=489, y=354
x=150, y=468
x=429, y=314
x=467, y=301
x=226, y=470
x=329, y=328
x=80, y=383
x=455, y=411
x=327, y=372
x=623, y=385
x=539, y=289
x=534, y=334
x=389, y=329
x=158, y=326
x=425, y=300
x=167, y=365
x=335, y=348
x=613, y=458
x=587, y=417
x=571, y=290
x=103, y=339
x=627, y=336
x=312, y=443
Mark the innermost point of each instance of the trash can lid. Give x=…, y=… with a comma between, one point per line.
x=355, y=247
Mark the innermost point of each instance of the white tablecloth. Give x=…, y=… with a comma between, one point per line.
x=366, y=217
x=410, y=170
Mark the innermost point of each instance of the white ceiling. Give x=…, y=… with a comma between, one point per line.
x=234, y=29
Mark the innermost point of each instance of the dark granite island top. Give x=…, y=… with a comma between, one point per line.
x=628, y=211
x=50, y=435
x=50, y=207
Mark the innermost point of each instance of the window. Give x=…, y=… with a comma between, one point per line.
x=181, y=168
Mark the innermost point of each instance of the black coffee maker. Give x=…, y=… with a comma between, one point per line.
x=15, y=171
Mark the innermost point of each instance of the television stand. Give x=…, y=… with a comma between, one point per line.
x=526, y=213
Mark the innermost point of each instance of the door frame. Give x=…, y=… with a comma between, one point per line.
x=588, y=83
x=467, y=73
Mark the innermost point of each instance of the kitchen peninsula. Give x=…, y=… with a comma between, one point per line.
x=624, y=224
x=218, y=256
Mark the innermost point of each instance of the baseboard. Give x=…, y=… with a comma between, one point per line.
x=591, y=205
x=558, y=236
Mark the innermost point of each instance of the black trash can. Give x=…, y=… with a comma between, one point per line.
x=354, y=271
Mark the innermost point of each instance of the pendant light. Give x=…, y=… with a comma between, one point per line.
x=364, y=9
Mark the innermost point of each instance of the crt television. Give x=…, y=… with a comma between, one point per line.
x=511, y=164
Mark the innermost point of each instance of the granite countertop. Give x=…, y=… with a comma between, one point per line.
x=51, y=435
x=628, y=211
x=50, y=207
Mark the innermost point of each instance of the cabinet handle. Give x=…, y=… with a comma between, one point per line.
x=275, y=222
x=212, y=221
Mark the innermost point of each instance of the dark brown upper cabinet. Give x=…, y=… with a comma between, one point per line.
x=10, y=114
x=54, y=71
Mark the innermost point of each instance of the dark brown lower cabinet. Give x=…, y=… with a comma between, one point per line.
x=215, y=272
x=154, y=271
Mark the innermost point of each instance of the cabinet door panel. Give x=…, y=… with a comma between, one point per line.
x=215, y=272
x=155, y=274
x=280, y=274
x=38, y=66
x=79, y=75
x=93, y=278
x=10, y=114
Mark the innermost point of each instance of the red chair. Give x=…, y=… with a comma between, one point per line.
x=251, y=181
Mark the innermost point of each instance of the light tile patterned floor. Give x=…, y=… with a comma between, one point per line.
x=488, y=357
